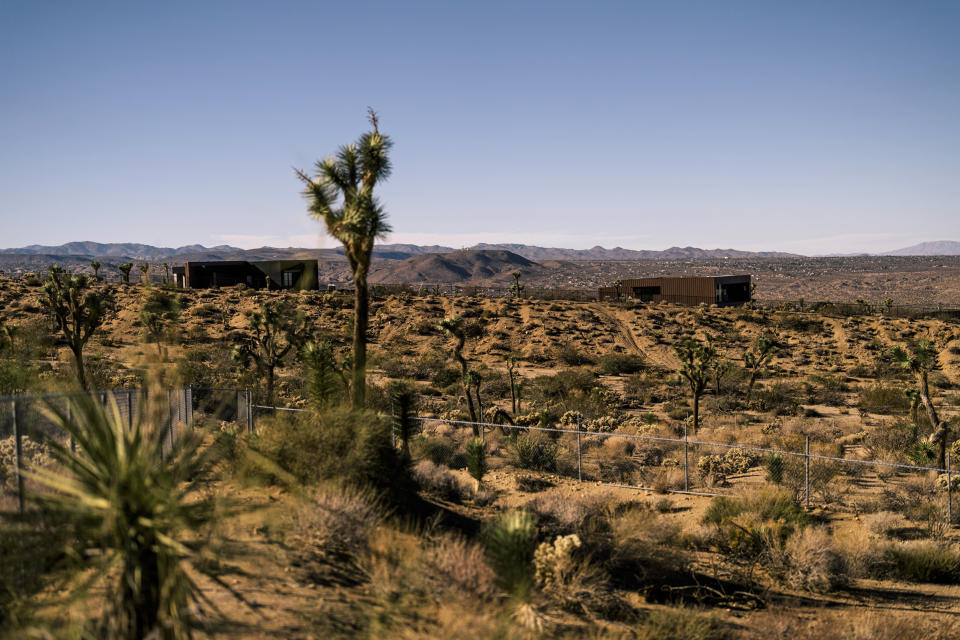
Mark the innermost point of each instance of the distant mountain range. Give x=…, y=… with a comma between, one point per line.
x=937, y=248
x=136, y=251
x=75, y=254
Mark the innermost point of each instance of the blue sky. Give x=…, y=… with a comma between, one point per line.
x=814, y=127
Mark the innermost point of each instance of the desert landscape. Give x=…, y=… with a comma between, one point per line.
x=868, y=548
x=480, y=321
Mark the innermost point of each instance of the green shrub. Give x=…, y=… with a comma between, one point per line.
x=352, y=447
x=568, y=354
x=884, y=399
x=436, y=450
x=781, y=398
x=618, y=364
x=510, y=543
x=536, y=452
x=774, y=466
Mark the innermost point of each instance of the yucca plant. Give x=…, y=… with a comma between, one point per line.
x=135, y=506
x=511, y=541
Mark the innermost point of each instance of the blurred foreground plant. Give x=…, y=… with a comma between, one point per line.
x=135, y=504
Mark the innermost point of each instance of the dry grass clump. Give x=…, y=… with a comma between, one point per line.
x=883, y=523
x=867, y=624
x=681, y=624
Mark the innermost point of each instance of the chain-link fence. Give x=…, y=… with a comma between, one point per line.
x=27, y=426
x=817, y=474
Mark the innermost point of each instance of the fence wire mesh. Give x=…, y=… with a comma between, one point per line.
x=27, y=427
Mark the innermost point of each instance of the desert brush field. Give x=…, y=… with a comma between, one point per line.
x=396, y=520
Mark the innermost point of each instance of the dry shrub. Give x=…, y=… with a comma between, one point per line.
x=811, y=563
x=438, y=481
x=332, y=530
x=339, y=516
x=565, y=575
x=883, y=523
x=667, y=479
x=460, y=568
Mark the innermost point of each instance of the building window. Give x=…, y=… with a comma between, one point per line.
x=645, y=294
x=287, y=278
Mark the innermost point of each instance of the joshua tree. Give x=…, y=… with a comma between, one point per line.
x=166, y=273
x=159, y=310
x=696, y=363
x=277, y=330
x=145, y=273
x=920, y=358
x=403, y=402
x=125, y=269
x=913, y=395
x=456, y=327
x=512, y=373
x=78, y=310
x=618, y=285
x=96, y=269
x=721, y=366
x=516, y=289
x=342, y=196
x=887, y=304
x=759, y=355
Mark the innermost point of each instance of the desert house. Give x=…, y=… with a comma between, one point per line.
x=273, y=274
x=690, y=290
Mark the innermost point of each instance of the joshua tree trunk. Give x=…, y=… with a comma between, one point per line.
x=361, y=310
x=81, y=369
x=941, y=431
x=513, y=390
x=696, y=411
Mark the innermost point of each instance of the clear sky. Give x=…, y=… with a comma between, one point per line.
x=815, y=126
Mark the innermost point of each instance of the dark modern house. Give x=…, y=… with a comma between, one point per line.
x=691, y=290
x=272, y=274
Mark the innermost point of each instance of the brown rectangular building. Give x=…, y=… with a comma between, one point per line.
x=269, y=274
x=690, y=290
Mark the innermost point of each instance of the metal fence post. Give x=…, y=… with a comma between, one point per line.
x=250, y=421
x=686, y=463
x=579, y=454
x=806, y=472
x=949, y=493
x=18, y=453
x=130, y=408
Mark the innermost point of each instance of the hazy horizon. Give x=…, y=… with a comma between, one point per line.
x=811, y=129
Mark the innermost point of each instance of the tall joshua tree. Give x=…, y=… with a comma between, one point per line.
x=341, y=195
x=920, y=358
x=78, y=311
x=145, y=273
x=696, y=367
x=96, y=269
x=124, y=270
